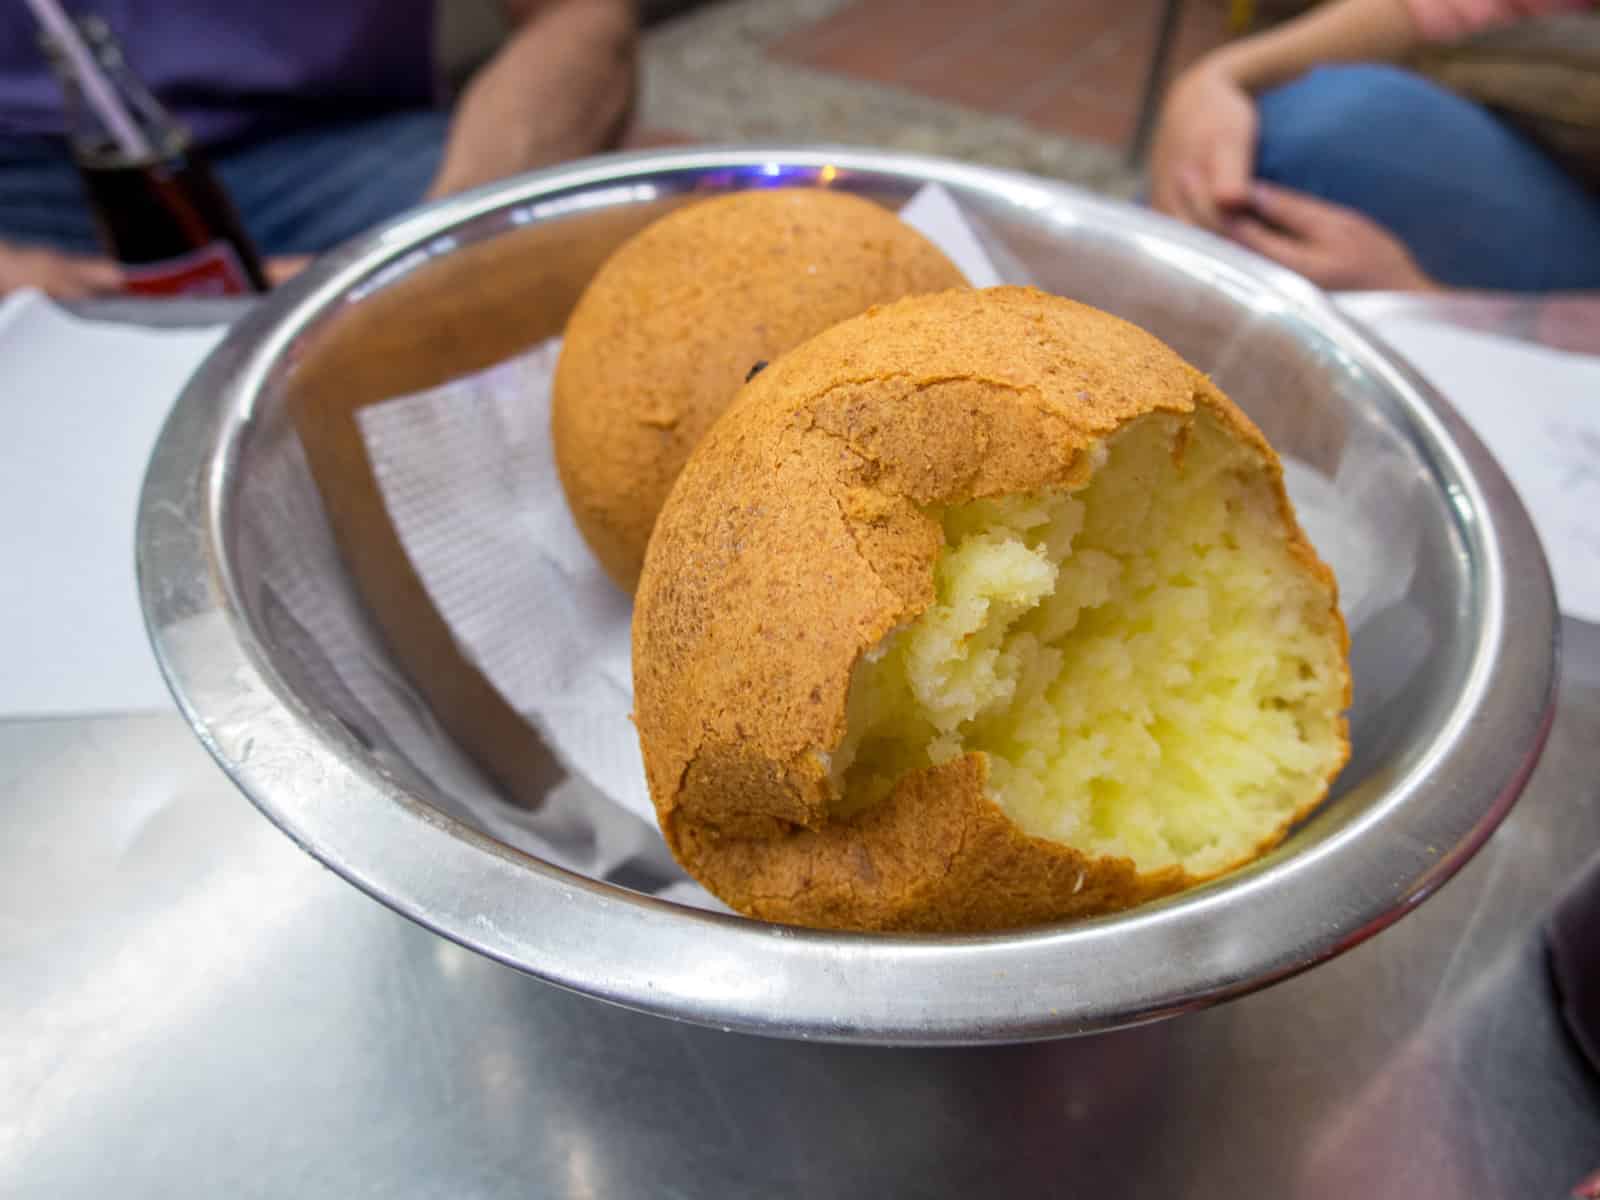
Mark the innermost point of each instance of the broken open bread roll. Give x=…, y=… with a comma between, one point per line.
x=666, y=332
x=979, y=610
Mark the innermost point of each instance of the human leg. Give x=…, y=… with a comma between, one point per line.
x=42, y=201
x=305, y=192
x=1478, y=204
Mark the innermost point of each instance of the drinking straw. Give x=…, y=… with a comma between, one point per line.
x=97, y=89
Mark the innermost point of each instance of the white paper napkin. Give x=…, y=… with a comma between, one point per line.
x=1538, y=411
x=82, y=403
x=469, y=477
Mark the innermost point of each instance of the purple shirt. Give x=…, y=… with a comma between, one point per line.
x=236, y=69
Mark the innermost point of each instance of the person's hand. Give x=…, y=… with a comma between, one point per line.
x=62, y=276
x=1335, y=247
x=1205, y=148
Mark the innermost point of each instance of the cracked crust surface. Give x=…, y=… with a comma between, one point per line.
x=674, y=321
x=799, y=536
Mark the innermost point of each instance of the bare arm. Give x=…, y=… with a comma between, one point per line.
x=1346, y=31
x=561, y=87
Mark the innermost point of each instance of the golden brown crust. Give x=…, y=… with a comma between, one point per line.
x=744, y=645
x=666, y=332
x=937, y=856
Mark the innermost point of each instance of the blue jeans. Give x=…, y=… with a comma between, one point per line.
x=1478, y=204
x=299, y=193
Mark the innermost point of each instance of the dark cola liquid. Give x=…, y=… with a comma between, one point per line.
x=170, y=224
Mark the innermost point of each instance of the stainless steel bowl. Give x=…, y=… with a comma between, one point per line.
x=1453, y=652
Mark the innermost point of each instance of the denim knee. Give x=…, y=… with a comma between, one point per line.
x=1477, y=204
x=1332, y=115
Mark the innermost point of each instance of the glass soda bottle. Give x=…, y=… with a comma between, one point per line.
x=161, y=212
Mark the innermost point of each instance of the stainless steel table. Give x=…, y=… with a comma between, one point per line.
x=191, y=1006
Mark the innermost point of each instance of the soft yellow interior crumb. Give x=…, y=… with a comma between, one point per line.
x=1147, y=670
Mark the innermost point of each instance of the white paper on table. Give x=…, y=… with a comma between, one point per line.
x=82, y=403
x=1538, y=411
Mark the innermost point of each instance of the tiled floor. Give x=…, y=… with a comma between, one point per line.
x=1074, y=67
x=1046, y=86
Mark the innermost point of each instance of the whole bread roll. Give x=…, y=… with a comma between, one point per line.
x=680, y=314
x=979, y=610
